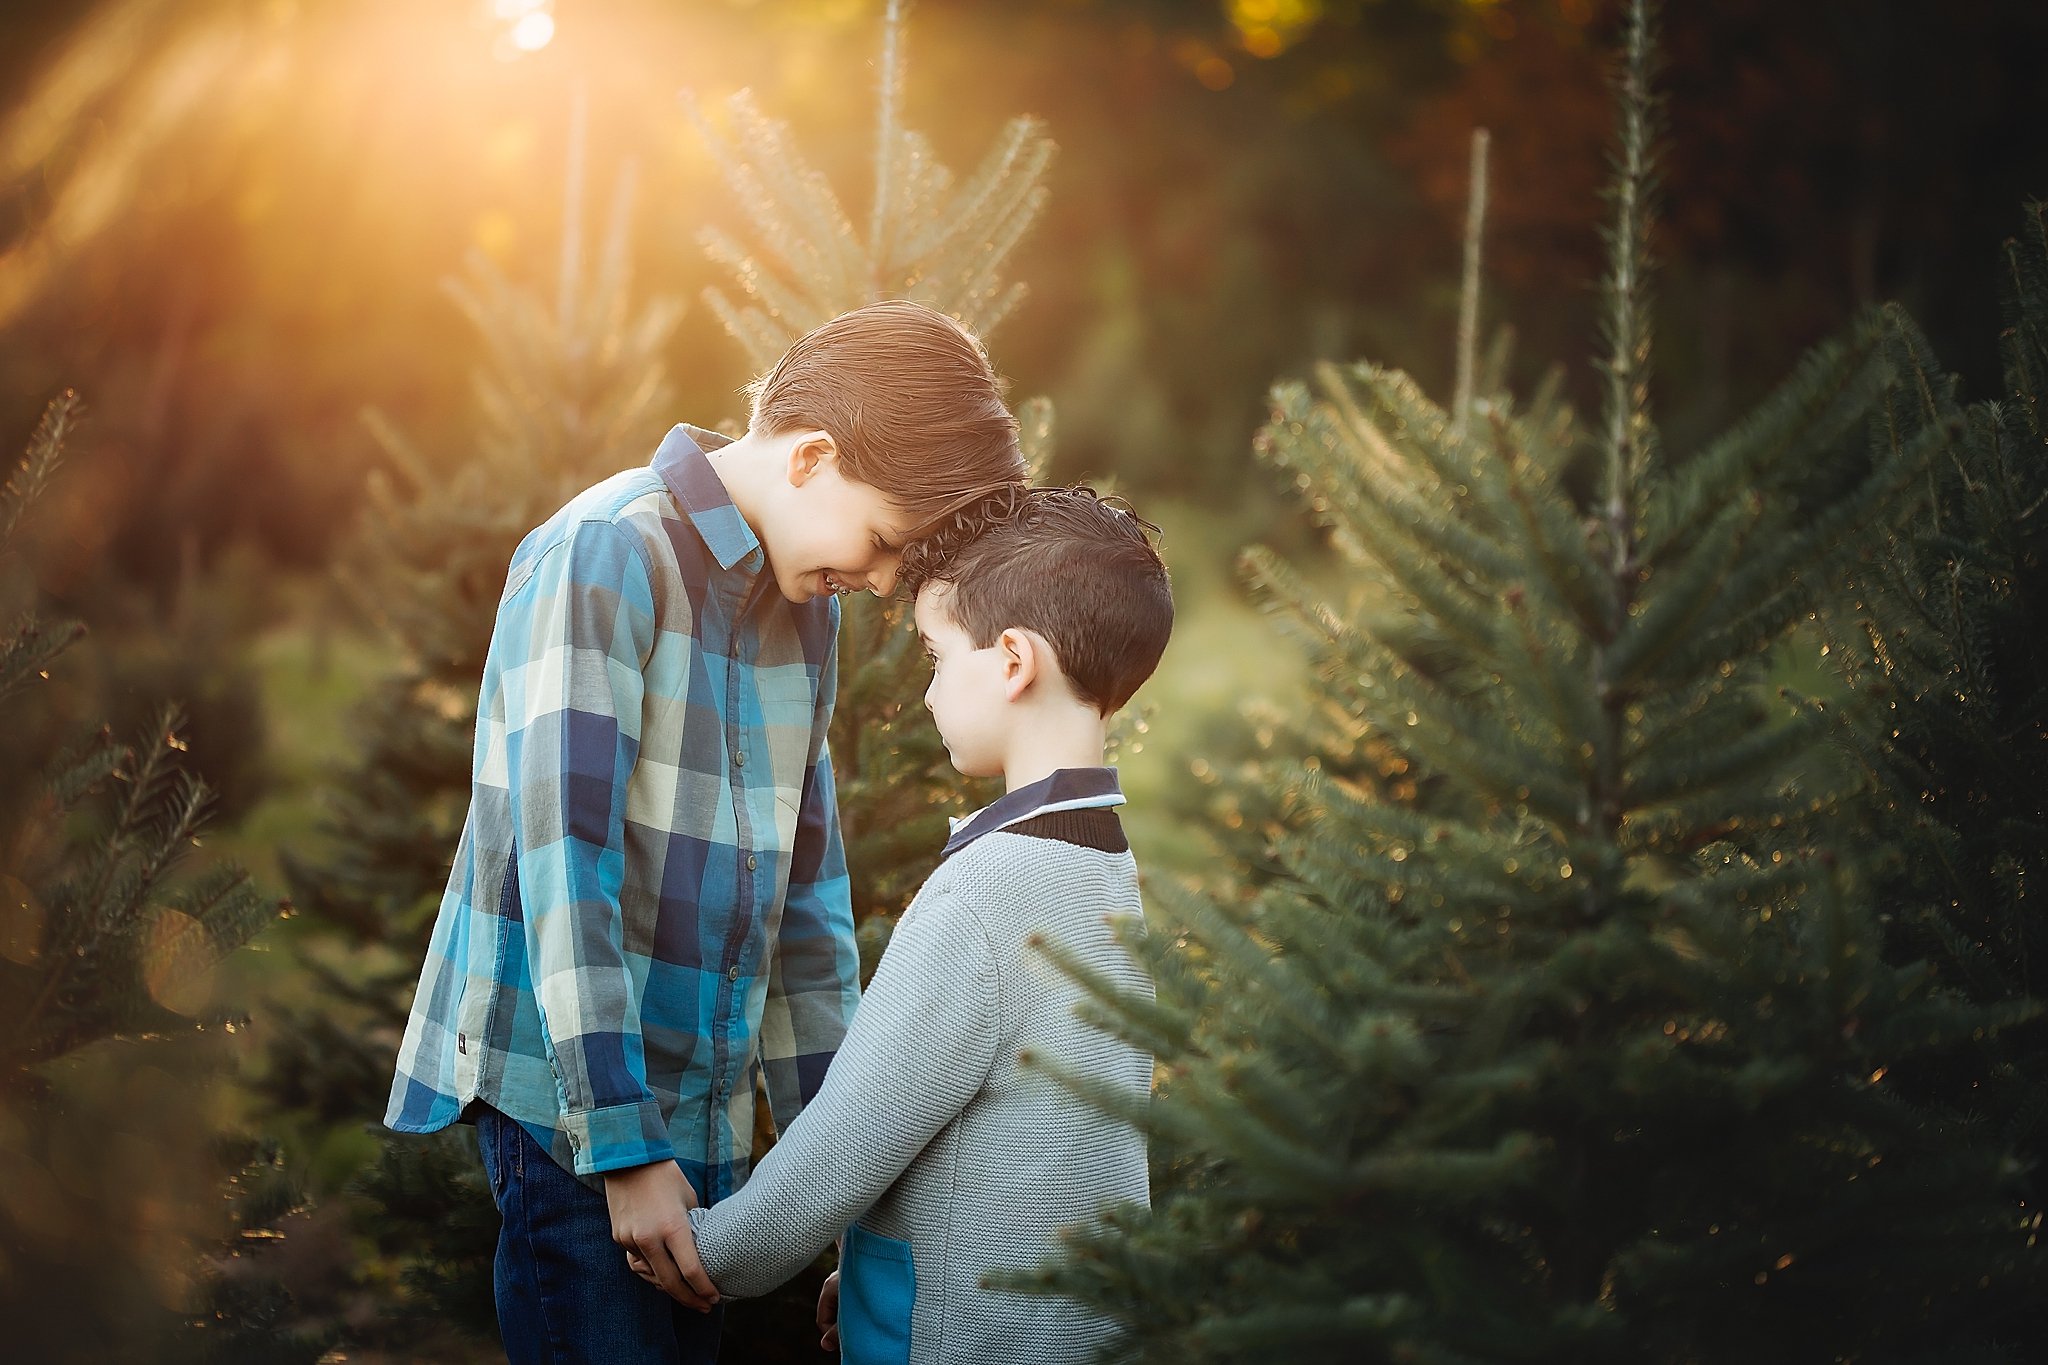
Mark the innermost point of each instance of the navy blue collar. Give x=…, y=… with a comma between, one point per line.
x=1066, y=789
x=701, y=495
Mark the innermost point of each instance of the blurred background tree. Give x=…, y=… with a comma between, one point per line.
x=1591, y=1056
x=102, y=948
x=805, y=261
x=573, y=388
x=1940, y=635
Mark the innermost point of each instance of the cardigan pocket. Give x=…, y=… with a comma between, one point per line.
x=877, y=1288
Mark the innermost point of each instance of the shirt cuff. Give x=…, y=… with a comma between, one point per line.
x=619, y=1137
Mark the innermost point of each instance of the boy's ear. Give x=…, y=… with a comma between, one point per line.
x=1024, y=654
x=810, y=452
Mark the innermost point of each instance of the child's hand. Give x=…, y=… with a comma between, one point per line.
x=828, y=1314
x=650, y=1207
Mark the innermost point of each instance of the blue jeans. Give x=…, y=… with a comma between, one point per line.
x=565, y=1296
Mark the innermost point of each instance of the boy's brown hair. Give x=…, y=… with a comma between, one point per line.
x=910, y=399
x=1064, y=562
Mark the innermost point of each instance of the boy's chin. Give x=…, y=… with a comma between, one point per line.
x=799, y=591
x=967, y=768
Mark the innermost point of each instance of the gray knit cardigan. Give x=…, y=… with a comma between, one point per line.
x=938, y=1155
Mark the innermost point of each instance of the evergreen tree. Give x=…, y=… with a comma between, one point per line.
x=1943, y=638
x=99, y=939
x=99, y=934
x=1587, y=1054
x=945, y=246
x=571, y=389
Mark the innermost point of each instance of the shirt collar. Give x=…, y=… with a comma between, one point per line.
x=697, y=489
x=1066, y=789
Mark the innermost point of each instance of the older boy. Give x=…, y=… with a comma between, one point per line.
x=933, y=1145
x=649, y=902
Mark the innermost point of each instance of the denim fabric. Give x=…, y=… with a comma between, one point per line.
x=565, y=1296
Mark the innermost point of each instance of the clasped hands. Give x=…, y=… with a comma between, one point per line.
x=650, y=1207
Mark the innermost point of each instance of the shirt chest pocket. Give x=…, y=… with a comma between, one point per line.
x=782, y=738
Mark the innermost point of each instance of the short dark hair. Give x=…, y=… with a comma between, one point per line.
x=910, y=399
x=1077, y=568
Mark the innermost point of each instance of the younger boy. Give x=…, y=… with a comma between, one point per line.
x=649, y=906
x=934, y=1145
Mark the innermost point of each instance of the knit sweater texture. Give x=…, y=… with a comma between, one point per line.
x=931, y=1144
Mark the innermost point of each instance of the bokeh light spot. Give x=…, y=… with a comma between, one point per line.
x=177, y=964
x=494, y=234
x=534, y=32
x=21, y=922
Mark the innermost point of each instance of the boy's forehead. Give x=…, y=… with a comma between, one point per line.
x=929, y=610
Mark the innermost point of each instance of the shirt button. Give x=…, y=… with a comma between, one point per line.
x=752, y=862
x=739, y=758
x=733, y=974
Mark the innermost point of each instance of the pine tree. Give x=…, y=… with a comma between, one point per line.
x=571, y=389
x=945, y=246
x=1586, y=1055
x=1941, y=638
x=100, y=938
x=100, y=935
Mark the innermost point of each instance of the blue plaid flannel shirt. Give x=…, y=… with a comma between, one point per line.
x=649, y=902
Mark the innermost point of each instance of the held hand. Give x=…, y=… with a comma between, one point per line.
x=828, y=1314
x=650, y=1207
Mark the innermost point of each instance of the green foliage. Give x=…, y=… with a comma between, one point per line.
x=569, y=390
x=1582, y=1048
x=926, y=239
x=100, y=939
x=1941, y=638
x=1943, y=643
x=943, y=246
x=567, y=393
x=439, y=1223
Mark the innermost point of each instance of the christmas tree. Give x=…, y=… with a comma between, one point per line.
x=1940, y=636
x=100, y=939
x=572, y=388
x=944, y=245
x=1559, y=1026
